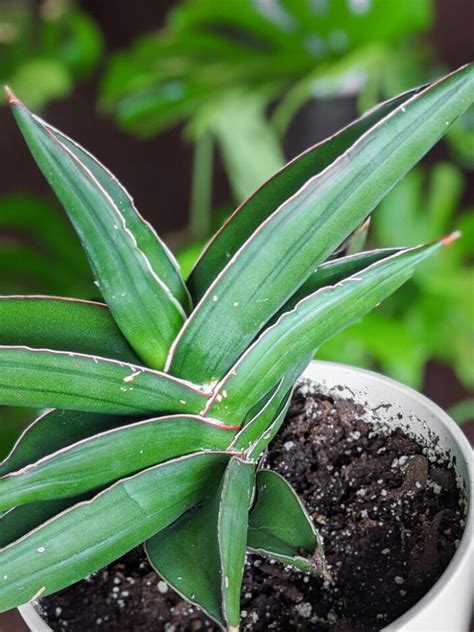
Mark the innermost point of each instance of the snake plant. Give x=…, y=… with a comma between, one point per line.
x=162, y=400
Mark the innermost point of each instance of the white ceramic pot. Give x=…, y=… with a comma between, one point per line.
x=447, y=606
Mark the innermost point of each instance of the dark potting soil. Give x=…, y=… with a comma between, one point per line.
x=389, y=511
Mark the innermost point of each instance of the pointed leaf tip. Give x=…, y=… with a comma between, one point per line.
x=449, y=239
x=11, y=97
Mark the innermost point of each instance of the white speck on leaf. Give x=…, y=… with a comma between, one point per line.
x=130, y=378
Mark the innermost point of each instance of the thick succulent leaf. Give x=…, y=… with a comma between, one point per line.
x=285, y=183
x=45, y=378
x=186, y=555
x=202, y=555
x=17, y=522
x=255, y=449
x=303, y=231
x=141, y=303
x=54, y=430
x=108, y=456
x=301, y=331
x=263, y=425
x=280, y=527
x=256, y=426
x=64, y=324
x=160, y=257
x=91, y=534
x=232, y=524
x=333, y=272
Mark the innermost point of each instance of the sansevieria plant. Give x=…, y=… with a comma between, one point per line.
x=165, y=396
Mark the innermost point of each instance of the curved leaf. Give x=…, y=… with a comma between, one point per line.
x=160, y=257
x=64, y=324
x=304, y=230
x=141, y=303
x=333, y=272
x=186, y=555
x=285, y=183
x=54, y=430
x=99, y=460
x=232, y=524
x=202, y=555
x=314, y=320
x=42, y=378
x=91, y=534
x=280, y=527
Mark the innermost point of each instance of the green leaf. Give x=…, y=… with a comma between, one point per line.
x=302, y=330
x=104, y=458
x=44, y=378
x=161, y=260
x=91, y=534
x=280, y=527
x=186, y=555
x=129, y=262
x=54, y=430
x=64, y=324
x=333, y=272
x=17, y=522
x=302, y=232
x=202, y=555
x=232, y=527
x=257, y=425
x=256, y=449
x=285, y=183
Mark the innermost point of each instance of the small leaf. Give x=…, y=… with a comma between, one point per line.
x=302, y=330
x=64, y=324
x=232, y=527
x=42, y=378
x=129, y=263
x=256, y=449
x=304, y=230
x=202, y=555
x=186, y=555
x=91, y=534
x=280, y=527
x=108, y=456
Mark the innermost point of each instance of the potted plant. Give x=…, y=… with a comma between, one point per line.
x=167, y=396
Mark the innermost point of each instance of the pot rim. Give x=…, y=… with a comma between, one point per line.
x=466, y=545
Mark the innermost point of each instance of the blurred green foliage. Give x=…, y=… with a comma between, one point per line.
x=218, y=66
x=45, y=47
x=41, y=249
x=432, y=316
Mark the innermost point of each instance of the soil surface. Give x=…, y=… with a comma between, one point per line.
x=388, y=509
